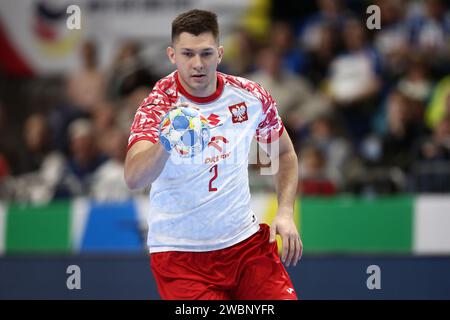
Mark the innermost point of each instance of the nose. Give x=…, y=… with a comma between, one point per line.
x=197, y=62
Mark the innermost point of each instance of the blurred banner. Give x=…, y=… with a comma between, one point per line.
x=73, y=226
x=35, y=39
x=391, y=225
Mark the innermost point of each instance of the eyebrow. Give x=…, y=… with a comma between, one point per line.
x=207, y=49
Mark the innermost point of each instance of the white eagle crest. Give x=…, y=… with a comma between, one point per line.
x=239, y=112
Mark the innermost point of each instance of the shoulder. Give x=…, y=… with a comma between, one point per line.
x=164, y=92
x=166, y=84
x=252, y=87
x=241, y=83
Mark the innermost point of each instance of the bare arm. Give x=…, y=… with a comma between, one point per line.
x=145, y=160
x=144, y=163
x=286, y=180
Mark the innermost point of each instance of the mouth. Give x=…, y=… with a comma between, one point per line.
x=198, y=76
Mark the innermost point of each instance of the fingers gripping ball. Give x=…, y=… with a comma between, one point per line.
x=185, y=131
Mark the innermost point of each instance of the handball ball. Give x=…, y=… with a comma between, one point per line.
x=184, y=130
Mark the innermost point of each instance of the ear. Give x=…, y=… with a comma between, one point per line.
x=171, y=54
x=220, y=51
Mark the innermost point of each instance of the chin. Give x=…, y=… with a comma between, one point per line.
x=198, y=86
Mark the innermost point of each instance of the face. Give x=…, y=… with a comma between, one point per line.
x=442, y=131
x=36, y=133
x=83, y=148
x=321, y=129
x=196, y=58
x=270, y=62
x=312, y=163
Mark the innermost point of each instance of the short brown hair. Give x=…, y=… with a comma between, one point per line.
x=195, y=22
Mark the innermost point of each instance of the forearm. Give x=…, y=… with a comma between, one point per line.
x=286, y=181
x=144, y=165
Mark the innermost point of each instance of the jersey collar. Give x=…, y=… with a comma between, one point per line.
x=207, y=99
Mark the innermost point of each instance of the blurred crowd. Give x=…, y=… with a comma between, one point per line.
x=77, y=147
x=368, y=110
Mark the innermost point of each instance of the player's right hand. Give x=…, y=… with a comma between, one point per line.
x=185, y=130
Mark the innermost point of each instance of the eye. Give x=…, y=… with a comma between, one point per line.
x=188, y=54
x=207, y=54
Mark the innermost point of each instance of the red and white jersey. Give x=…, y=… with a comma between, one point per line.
x=203, y=203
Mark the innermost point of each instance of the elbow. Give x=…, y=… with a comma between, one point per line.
x=131, y=180
x=135, y=181
x=131, y=175
x=289, y=155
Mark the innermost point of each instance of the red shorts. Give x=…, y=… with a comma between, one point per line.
x=249, y=270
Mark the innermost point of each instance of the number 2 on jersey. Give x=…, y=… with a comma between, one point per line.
x=214, y=170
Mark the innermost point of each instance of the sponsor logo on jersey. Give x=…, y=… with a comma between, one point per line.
x=215, y=159
x=214, y=142
x=213, y=120
x=290, y=290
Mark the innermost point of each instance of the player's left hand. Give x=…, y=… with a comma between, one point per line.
x=284, y=225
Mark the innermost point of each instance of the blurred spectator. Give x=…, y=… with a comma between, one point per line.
x=430, y=31
x=354, y=81
x=36, y=135
x=379, y=181
x=293, y=94
x=416, y=86
x=240, y=51
x=41, y=166
x=129, y=105
x=439, y=106
x=331, y=13
x=108, y=183
x=320, y=56
x=336, y=150
x=432, y=169
x=312, y=170
x=417, y=83
x=104, y=122
x=282, y=40
x=4, y=168
x=9, y=144
x=5, y=175
x=86, y=87
x=6, y=155
x=128, y=72
x=84, y=159
x=439, y=143
x=403, y=131
x=392, y=40
x=126, y=59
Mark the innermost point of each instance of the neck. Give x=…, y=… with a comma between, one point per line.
x=201, y=93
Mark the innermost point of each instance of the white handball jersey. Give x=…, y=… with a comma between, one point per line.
x=203, y=203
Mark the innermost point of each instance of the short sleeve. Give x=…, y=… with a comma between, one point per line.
x=148, y=117
x=271, y=127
